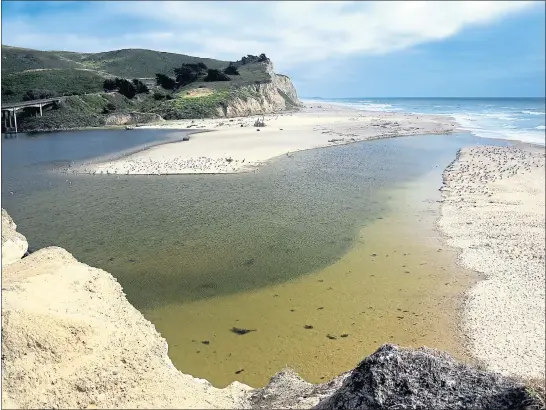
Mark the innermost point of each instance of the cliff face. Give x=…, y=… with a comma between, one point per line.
x=131, y=118
x=14, y=245
x=277, y=94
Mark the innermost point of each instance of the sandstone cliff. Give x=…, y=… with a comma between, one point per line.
x=275, y=95
x=14, y=245
x=131, y=118
x=70, y=339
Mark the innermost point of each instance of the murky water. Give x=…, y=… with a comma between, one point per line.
x=201, y=254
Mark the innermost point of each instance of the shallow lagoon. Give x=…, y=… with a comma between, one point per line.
x=199, y=254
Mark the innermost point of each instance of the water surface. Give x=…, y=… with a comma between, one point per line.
x=199, y=254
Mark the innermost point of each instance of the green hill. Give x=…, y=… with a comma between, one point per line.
x=32, y=74
x=60, y=81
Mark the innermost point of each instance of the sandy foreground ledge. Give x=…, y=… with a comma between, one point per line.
x=235, y=145
x=494, y=211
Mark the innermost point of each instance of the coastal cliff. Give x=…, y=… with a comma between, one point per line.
x=277, y=94
x=70, y=339
x=132, y=85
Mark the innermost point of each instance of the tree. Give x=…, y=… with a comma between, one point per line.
x=189, y=72
x=126, y=88
x=110, y=84
x=186, y=74
x=140, y=87
x=164, y=81
x=216, y=75
x=231, y=70
x=38, y=94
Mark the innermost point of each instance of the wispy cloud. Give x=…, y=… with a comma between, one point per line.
x=290, y=32
x=363, y=48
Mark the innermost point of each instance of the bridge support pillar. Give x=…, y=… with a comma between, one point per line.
x=15, y=119
x=40, y=110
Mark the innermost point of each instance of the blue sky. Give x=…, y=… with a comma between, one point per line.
x=329, y=49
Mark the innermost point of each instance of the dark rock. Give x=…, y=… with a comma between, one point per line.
x=205, y=342
x=329, y=336
x=249, y=262
x=239, y=371
x=308, y=327
x=240, y=331
x=399, y=378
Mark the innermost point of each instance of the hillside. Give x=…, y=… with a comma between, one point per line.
x=122, y=63
x=251, y=87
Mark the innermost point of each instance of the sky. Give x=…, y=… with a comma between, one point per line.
x=329, y=49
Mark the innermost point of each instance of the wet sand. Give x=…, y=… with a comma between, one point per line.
x=236, y=145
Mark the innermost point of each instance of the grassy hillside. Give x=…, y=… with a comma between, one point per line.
x=79, y=78
x=62, y=81
x=15, y=59
x=67, y=73
x=127, y=63
x=78, y=111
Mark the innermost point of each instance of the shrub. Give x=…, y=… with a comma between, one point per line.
x=109, y=108
x=159, y=96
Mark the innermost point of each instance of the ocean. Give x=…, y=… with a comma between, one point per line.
x=515, y=119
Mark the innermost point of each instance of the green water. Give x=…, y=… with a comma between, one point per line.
x=178, y=239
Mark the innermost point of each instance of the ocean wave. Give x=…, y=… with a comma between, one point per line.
x=533, y=112
x=364, y=105
x=497, y=116
x=540, y=127
x=470, y=122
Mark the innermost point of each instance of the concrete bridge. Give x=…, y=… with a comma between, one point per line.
x=9, y=111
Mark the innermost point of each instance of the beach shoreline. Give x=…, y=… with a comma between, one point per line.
x=233, y=145
x=492, y=210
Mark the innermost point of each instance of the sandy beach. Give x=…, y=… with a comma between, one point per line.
x=493, y=210
x=236, y=145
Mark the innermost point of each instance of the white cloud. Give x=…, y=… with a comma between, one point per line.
x=290, y=32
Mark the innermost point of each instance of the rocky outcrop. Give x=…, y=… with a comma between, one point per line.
x=132, y=118
x=14, y=245
x=275, y=95
x=397, y=378
x=70, y=339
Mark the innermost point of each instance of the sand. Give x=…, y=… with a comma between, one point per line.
x=70, y=339
x=493, y=210
x=235, y=145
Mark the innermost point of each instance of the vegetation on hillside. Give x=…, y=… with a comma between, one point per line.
x=16, y=86
x=125, y=87
x=94, y=86
x=77, y=111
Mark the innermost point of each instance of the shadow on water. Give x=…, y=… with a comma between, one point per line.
x=181, y=238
